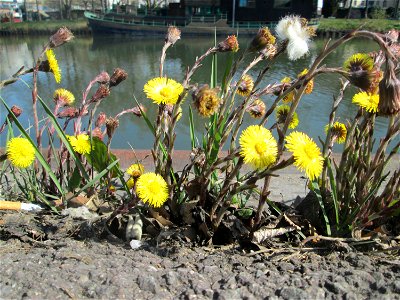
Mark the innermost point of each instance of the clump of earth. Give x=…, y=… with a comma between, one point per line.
x=48, y=257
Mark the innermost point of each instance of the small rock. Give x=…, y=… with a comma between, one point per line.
x=135, y=244
x=292, y=293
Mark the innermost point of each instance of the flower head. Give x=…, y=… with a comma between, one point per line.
x=53, y=64
x=173, y=35
x=307, y=155
x=256, y=109
x=263, y=38
x=360, y=68
x=118, y=76
x=282, y=112
x=103, y=78
x=130, y=183
x=258, y=147
x=163, y=90
x=111, y=125
x=230, y=44
x=310, y=84
x=206, y=100
x=63, y=97
x=152, y=189
x=389, y=92
x=368, y=101
x=80, y=143
x=69, y=112
x=63, y=35
x=245, y=86
x=16, y=110
x=20, y=152
x=135, y=170
x=296, y=31
x=102, y=92
x=338, y=132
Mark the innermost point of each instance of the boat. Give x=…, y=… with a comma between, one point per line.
x=144, y=26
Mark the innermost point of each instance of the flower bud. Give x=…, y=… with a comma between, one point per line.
x=103, y=78
x=16, y=110
x=68, y=113
x=111, y=125
x=118, y=76
x=230, y=44
x=96, y=132
x=389, y=92
x=63, y=35
x=173, y=35
x=101, y=120
x=101, y=93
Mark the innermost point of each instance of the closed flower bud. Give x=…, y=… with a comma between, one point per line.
x=111, y=125
x=230, y=44
x=68, y=113
x=96, y=132
x=263, y=38
x=137, y=110
x=173, y=35
x=101, y=119
x=389, y=92
x=103, y=78
x=16, y=110
x=63, y=35
x=118, y=76
x=102, y=92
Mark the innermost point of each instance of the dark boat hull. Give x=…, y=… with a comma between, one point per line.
x=100, y=25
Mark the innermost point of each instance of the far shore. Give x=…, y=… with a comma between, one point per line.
x=327, y=27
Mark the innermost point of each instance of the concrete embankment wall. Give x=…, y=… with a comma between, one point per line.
x=37, y=32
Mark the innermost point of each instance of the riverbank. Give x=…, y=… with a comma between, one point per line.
x=327, y=27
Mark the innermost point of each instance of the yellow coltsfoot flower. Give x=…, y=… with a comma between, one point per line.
x=53, y=64
x=306, y=153
x=63, y=97
x=338, y=132
x=80, y=143
x=258, y=147
x=367, y=101
x=282, y=112
x=163, y=90
x=135, y=170
x=152, y=189
x=20, y=152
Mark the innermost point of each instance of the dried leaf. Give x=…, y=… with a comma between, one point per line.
x=267, y=233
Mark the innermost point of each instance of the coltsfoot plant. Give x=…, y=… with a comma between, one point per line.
x=355, y=194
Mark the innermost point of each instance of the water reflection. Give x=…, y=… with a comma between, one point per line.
x=84, y=58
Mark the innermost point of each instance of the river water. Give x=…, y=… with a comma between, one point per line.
x=82, y=59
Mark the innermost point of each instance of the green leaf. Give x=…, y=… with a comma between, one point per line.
x=332, y=180
x=245, y=213
x=191, y=127
x=99, y=157
x=75, y=180
x=315, y=188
